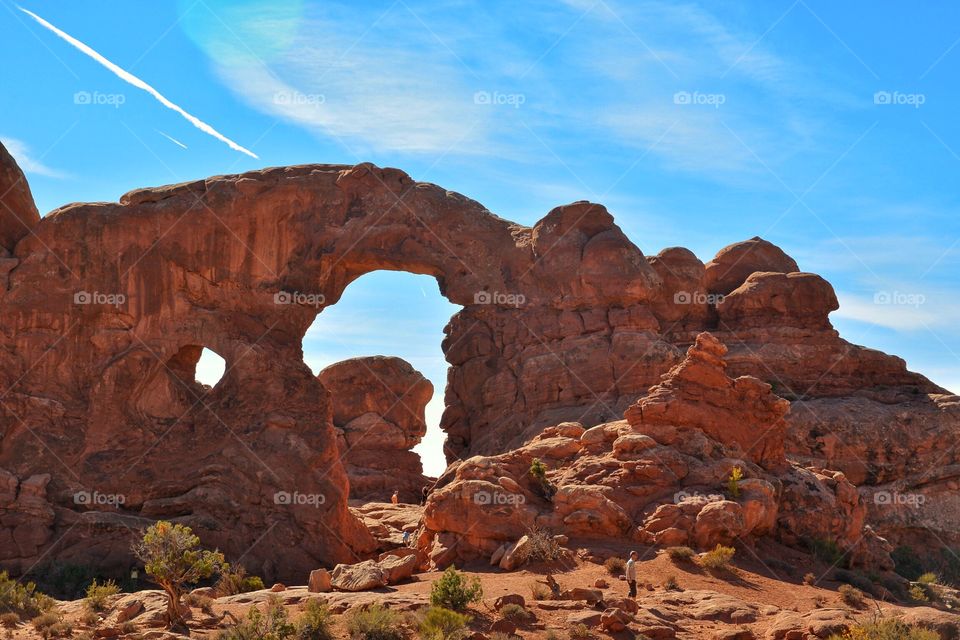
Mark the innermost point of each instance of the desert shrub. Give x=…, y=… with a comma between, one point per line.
x=733, y=481
x=541, y=547
x=809, y=579
x=89, y=618
x=718, y=559
x=127, y=627
x=234, y=581
x=886, y=630
x=270, y=624
x=44, y=621
x=374, y=623
x=945, y=564
x=918, y=593
x=681, y=554
x=671, y=584
x=907, y=563
x=615, y=565
x=828, y=551
x=551, y=635
x=314, y=622
x=580, y=631
x=540, y=591
x=516, y=613
x=851, y=595
x=172, y=559
x=9, y=620
x=439, y=623
x=98, y=594
x=854, y=579
x=22, y=599
x=454, y=591
x=928, y=578
x=538, y=472
x=500, y=635
x=66, y=581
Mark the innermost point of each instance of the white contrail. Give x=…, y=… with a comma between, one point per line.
x=171, y=139
x=140, y=84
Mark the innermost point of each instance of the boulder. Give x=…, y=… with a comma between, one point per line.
x=320, y=581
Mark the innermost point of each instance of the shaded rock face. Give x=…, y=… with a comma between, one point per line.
x=659, y=477
x=378, y=406
x=18, y=213
x=107, y=307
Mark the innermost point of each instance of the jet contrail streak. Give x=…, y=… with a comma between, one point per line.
x=126, y=76
x=171, y=139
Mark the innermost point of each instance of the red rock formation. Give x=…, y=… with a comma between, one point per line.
x=742, y=414
x=733, y=264
x=109, y=305
x=660, y=477
x=378, y=410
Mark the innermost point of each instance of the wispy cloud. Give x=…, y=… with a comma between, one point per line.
x=21, y=152
x=900, y=310
x=129, y=78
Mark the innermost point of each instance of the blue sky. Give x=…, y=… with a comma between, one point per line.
x=828, y=128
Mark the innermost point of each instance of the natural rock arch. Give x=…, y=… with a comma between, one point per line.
x=202, y=263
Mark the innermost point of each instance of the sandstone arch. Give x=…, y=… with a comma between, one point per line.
x=201, y=263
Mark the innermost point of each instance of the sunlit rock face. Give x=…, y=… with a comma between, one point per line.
x=106, y=308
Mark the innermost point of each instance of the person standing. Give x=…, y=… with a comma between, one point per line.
x=395, y=498
x=631, y=574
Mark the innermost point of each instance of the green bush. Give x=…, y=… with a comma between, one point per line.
x=538, y=471
x=516, y=613
x=273, y=623
x=453, y=591
x=443, y=624
x=22, y=599
x=718, y=559
x=918, y=594
x=234, y=581
x=374, y=623
x=270, y=624
x=886, y=630
x=828, y=551
x=314, y=622
x=66, y=581
x=681, y=554
x=928, y=578
x=98, y=594
x=615, y=565
x=733, y=482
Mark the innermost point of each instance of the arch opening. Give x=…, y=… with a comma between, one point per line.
x=210, y=368
x=400, y=316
